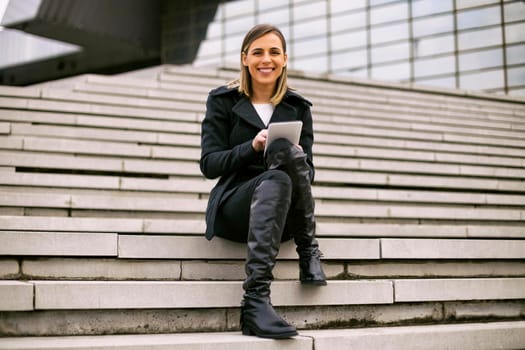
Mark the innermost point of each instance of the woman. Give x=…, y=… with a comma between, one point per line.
x=262, y=198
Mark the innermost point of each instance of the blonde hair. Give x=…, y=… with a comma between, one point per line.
x=244, y=83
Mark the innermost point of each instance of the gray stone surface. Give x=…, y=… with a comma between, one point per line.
x=184, y=247
x=58, y=243
x=459, y=289
x=9, y=268
x=16, y=296
x=197, y=341
x=452, y=249
x=56, y=295
x=96, y=269
x=504, y=335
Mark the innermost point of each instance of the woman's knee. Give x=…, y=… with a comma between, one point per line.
x=278, y=176
x=283, y=154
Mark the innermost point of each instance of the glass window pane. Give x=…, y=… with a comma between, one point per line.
x=447, y=82
x=310, y=47
x=515, y=11
x=389, y=13
x=433, y=25
x=434, y=66
x=390, y=53
x=479, y=60
x=313, y=64
x=285, y=29
x=379, y=2
x=389, y=33
x=484, y=80
x=233, y=43
x=349, y=60
x=236, y=8
x=340, y=6
x=400, y=71
x=310, y=28
x=479, y=38
x=515, y=33
x=359, y=73
x=276, y=17
x=516, y=54
x=239, y=25
x=479, y=17
x=516, y=76
x=316, y=9
x=270, y=4
x=429, y=7
x=232, y=58
x=433, y=46
x=461, y=4
x=348, y=40
x=348, y=21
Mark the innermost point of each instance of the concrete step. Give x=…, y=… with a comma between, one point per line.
x=99, y=164
x=424, y=123
x=185, y=134
x=171, y=247
x=395, y=142
x=99, y=148
x=368, y=172
x=91, y=295
x=197, y=227
x=121, y=183
x=176, y=204
x=410, y=111
x=403, y=134
x=27, y=182
x=67, y=106
x=365, y=177
x=505, y=335
x=141, y=149
x=503, y=130
x=143, y=144
x=128, y=120
x=24, y=243
x=415, y=100
x=117, y=125
x=468, y=336
x=365, y=88
x=118, y=269
x=336, y=144
x=98, y=295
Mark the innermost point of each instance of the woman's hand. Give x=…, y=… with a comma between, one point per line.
x=259, y=141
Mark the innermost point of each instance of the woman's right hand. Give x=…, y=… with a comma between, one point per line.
x=259, y=141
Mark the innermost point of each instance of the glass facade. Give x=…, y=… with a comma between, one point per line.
x=467, y=44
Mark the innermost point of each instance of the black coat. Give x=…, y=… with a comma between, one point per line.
x=228, y=129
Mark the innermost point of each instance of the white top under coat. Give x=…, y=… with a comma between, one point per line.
x=265, y=111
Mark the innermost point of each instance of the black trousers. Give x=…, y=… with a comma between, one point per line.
x=234, y=212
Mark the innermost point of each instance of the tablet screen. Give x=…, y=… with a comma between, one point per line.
x=288, y=130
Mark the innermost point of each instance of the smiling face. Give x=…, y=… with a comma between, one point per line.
x=265, y=59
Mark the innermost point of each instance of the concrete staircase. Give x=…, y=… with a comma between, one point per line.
x=420, y=201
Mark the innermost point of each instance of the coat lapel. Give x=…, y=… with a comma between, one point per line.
x=284, y=112
x=244, y=109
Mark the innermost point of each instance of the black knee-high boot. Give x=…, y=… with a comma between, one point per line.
x=293, y=160
x=270, y=204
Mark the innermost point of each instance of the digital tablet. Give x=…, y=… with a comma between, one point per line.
x=288, y=130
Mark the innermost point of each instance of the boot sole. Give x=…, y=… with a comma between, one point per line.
x=314, y=283
x=249, y=331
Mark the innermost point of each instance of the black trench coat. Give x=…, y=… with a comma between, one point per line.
x=227, y=132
